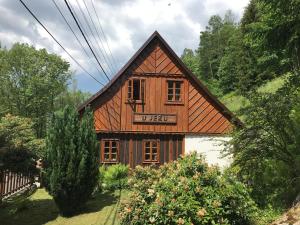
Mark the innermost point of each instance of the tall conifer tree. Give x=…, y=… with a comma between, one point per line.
x=71, y=159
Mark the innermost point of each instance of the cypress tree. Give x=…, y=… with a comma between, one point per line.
x=71, y=159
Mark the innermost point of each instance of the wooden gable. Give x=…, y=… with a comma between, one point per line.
x=156, y=64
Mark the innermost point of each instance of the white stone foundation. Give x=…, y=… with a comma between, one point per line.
x=210, y=147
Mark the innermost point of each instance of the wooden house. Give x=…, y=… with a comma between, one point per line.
x=155, y=110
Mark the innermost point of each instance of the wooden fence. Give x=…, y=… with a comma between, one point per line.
x=11, y=182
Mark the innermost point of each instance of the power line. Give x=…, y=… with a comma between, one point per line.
x=99, y=37
x=103, y=33
x=33, y=15
x=85, y=38
x=57, y=7
x=93, y=35
x=84, y=31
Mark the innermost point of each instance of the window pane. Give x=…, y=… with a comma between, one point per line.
x=154, y=144
x=177, y=84
x=147, y=150
x=136, y=89
x=114, y=157
x=113, y=144
x=113, y=150
x=170, y=97
x=177, y=98
x=106, y=144
x=154, y=157
x=154, y=150
x=147, y=144
x=106, y=156
x=106, y=150
x=147, y=157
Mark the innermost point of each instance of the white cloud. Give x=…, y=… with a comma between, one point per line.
x=127, y=24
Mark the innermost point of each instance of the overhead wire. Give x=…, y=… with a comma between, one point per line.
x=70, y=10
x=99, y=38
x=102, y=31
x=66, y=21
x=94, y=38
x=35, y=17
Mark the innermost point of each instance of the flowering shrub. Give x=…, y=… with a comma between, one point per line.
x=186, y=191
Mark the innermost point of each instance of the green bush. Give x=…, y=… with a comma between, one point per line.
x=19, y=146
x=71, y=165
x=186, y=191
x=114, y=177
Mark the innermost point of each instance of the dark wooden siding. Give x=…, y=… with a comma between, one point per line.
x=132, y=154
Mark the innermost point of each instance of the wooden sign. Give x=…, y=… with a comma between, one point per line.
x=154, y=118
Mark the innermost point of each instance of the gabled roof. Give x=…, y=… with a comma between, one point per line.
x=156, y=36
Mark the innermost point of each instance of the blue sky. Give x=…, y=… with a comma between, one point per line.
x=126, y=23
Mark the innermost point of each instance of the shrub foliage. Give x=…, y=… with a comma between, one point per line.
x=71, y=159
x=19, y=146
x=186, y=191
x=114, y=177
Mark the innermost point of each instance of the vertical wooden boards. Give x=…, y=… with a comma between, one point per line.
x=131, y=147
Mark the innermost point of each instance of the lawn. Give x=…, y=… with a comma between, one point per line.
x=39, y=208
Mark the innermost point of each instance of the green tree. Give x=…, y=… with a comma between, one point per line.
x=71, y=159
x=213, y=42
x=190, y=60
x=266, y=149
x=30, y=81
x=72, y=96
x=237, y=68
x=19, y=147
x=279, y=30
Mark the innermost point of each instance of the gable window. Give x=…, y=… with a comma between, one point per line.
x=110, y=151
x=174, y=92
x=136, y=89
x=150, y=151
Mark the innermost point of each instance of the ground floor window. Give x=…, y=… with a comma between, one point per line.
x=110, y=151
x=150, y=151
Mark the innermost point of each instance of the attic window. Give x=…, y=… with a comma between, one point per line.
x=174, y=91
x=136, y=89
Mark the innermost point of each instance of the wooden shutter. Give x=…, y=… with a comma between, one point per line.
x=129, y=95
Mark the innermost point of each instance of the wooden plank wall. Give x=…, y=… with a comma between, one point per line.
x=131, y=147
x=204, y=117
x=197, y=114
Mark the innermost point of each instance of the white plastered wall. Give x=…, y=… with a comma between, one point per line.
x=210, y=147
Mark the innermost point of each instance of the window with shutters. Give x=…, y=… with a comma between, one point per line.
x=110, y=151
x=150, y=151
x=136, y=90
x=174, y=91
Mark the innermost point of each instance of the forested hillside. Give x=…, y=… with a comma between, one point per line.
x=242, y=55
x=253, y=65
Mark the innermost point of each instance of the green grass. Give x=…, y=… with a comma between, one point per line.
x=39, y=208
x=235, y=102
